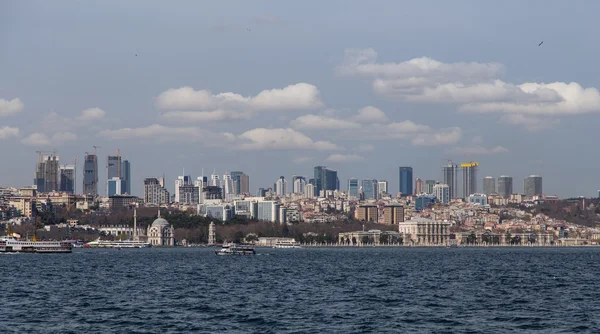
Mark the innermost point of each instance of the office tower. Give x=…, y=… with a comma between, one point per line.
x=505, y=186
x=212, y=192
x=405, y=180
x=418, y=186
x=236, y=177
x=262, y=192
x=353, y=188
x=268, y=211
x=429, y=186
x=66, y=178
x=533, y=185
x=393, y=214
x=450, y=174
x=189, y=194
x=126, y=176
x=442, y=193
x=90, y=175
x=46, y=173
x=469, y=178
x=299, y=184
x=113, y=166
x=244, y=184
x=201, y=182
x=154, y=192
x=325, y=179
x=115, y=186
x=369, y=189
x=309, y=191
x=281, y=186
x=228, y=188
x=489, y=185
x=214, y=180
x=181, y=181
x=382, y=188
x=424, y=201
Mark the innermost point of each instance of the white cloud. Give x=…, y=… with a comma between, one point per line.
x=531, y=123
x=344, y=158
x=477, y=150
x=280, y=139
x=448, y=136
x=41, y=139
x=370, y=114
x=186, y=104
x=11, y=107
x=474, y=87
x=366, y=148
x=7, y=132
x=302, y=160
x=161, y=132
x=92, y=114
x=322, y=123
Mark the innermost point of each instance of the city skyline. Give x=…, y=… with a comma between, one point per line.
x=345, y=107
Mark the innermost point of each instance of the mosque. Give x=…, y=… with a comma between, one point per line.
x=160, y=233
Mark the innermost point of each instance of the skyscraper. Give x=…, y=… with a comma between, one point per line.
x=450, y=174
x=126, y=175
x=325, y=179
x=236, y=177
x=429, y=186
x=369, y=189
x=244, y=184
x=181, y=181
x=299, y=184
x=353, y=188
x=469, y=178
x=214, y=180
x=154, y=192
x=489, y=185
x=406, y=181
x=66, y=178
x=47, y=173
x=442, y=193
x=228, y=187
x=505, y=186
x=533, y=185
x=115, y=186
x=418, y=186
x=90, y=175
x=281, y=186
x=113, y=166
x=382, y=188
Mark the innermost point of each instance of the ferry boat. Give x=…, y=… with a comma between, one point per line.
x=12, y=244
x=116, y=244
x=286, y=244
x=235, y=249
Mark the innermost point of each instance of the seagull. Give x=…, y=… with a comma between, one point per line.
x=248, y=29
x=542, y=42
x=136, y=54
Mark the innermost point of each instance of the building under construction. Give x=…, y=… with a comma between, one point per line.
x=90, y=175
x=46, y=176
x=450, y=174
x=469, y=180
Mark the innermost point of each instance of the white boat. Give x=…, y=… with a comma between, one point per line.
x=235, y=249
x=12, y=244
x=116, y=244
x=286, y=244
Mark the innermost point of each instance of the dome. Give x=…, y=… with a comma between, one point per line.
x=160, y=223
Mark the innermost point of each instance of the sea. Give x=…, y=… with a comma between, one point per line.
x=308, y=290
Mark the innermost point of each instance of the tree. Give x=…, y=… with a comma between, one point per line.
x=384, y=238
x=366, y=240
x=472, y=238
x=238, y=237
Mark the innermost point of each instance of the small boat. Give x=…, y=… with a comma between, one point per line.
x=286, y=244
x=235, y=249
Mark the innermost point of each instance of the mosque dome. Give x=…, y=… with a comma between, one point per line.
x=160, y=222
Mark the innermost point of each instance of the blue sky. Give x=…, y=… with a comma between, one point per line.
x=274, y=88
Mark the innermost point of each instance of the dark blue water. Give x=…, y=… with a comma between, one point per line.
x=385, y=290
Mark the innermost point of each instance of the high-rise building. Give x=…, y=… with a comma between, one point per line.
x=46, y=173
x=281, y=187
x=189, y=194
x=505, y=186
x=429, y=186
x=533, y=185
x=325, y=179
x=369, y=189
x=115, y=187
x=154, y=192
x=228, y=187
x=353, y=188
x=382, y=188
x=90, y=175
x=367, y=213
x=201, y=182
x=309, y=191
x=244, y=184
x=181, y=181
x=126, y=175
x=66, y=178
x=489, y=185
x=469, y=178
x=393, y=214
x=424, y=201
x=268, y=211
x=405, y=181
x=214, y=180
x=442, y=192
x=113, y=166
x=236, y=177
x=299, y=184
x=450, y=174
x=418, y=186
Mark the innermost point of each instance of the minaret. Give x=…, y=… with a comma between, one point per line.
x=211, y=233
x=135, y=236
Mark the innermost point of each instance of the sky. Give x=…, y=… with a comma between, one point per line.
x=275, y=88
